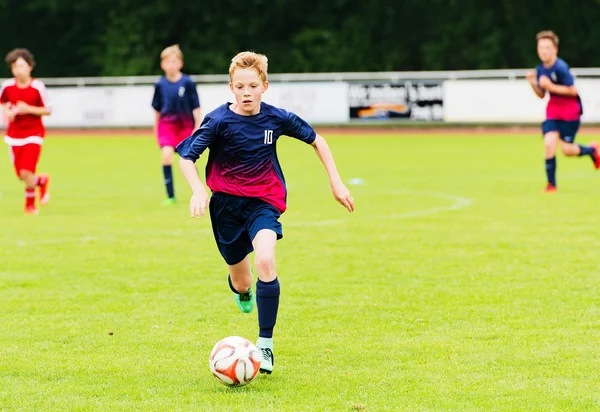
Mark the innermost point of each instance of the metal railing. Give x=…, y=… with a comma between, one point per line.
x=511, y=74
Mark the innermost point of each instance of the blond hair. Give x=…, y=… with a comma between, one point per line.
x=170, y=51
x=547, y=34
x=250, y=60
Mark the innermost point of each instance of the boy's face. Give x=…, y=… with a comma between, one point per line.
x=546, y=50
x=171, y=65
x=21, y=70
x=248, y=87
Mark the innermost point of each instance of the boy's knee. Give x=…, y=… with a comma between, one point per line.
x=568, y=149
x=549, y=148
x=265, y=264
x=167, y=155
x=25, y=174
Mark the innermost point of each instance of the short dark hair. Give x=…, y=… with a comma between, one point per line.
x=547, y=34
x=14, y=55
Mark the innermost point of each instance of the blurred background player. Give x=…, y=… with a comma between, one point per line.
x=177, y=109
x=564, y=108
x=249, y=192
x=24, y=101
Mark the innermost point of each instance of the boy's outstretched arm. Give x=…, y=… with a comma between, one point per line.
x=197, y=117
x=199, y=200
x=340, y=192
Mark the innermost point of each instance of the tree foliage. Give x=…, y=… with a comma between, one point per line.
x=110, y=38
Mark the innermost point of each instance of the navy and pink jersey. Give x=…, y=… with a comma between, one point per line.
x=567, y=108
x=176, y=101
x=243, y=156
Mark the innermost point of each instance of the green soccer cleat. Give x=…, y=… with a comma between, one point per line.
x=168, y=202
x=245, y=301
x=266, y=360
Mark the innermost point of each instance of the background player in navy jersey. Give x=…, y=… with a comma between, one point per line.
x=564, y=108
x=248, y=187
x=177, y=109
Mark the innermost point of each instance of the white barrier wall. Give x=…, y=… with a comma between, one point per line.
x=498, y=101
x=589, y=91
x=472, y=101
x=119, y=106
x=129, y=106
x=314, y=102
x=509, y=101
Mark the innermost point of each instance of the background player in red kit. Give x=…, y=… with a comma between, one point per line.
x=24, y=101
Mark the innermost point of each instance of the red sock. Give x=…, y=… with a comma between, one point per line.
x=29, y=197
x=40, y=180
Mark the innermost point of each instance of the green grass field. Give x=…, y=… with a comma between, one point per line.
x=455, y=286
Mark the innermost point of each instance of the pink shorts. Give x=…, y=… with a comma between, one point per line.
x=173, y=133
x=25, y=157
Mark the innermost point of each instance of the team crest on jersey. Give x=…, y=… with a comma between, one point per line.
x=553, y=76
x=268, y=136
x=181, y=91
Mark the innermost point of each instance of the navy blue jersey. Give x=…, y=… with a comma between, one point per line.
x=175, y=101
x=243, y=157
x=560, y=107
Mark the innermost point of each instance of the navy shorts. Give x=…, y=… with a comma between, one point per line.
x=236, y=220
x=565, y=128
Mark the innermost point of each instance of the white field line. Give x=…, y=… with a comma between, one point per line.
x=458, y=202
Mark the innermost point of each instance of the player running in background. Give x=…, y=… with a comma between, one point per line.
x=564, y=108
x=249, y=192
x=24, y=101
x=177, y=109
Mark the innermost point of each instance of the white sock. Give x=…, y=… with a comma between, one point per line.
x=264, y=343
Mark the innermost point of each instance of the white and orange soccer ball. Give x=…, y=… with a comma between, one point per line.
x=234, y=361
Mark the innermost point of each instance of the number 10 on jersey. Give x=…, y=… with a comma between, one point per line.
x=268, y=136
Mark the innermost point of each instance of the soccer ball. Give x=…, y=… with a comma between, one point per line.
x=234, y=361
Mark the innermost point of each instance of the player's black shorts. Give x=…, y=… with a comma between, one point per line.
x=565, y=128
x=236, y=221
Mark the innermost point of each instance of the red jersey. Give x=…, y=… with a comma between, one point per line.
x=25, y=128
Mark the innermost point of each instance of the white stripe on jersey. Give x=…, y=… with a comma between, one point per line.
x=41, y=88
x=7, y=83
x=11, y=141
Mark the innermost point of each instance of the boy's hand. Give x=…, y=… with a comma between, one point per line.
x=22, y=107
x=342, y=195
x=545, y=82
x=198, y=204
x=531, y=77
x=11, y=114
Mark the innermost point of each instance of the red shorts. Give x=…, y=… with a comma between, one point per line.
x=25, y=157
x=173, y=133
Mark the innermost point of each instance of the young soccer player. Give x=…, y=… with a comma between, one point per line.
x=177, y=109
x=24, y=101
x=564, y=106
x=248, y=187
